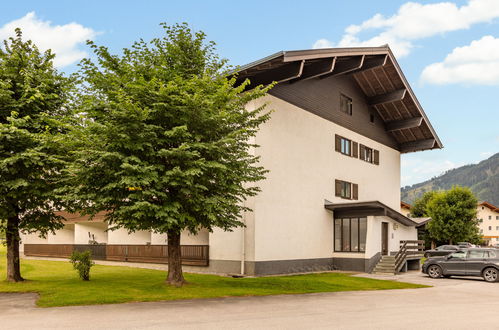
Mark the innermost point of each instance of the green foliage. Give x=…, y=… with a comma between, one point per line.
x=82, y=262
x=167, y=142
x=33, y=103
x=481, y=178
x=453, y=215
x=418, y=209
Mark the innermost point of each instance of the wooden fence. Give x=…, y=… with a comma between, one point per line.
x=194, y=255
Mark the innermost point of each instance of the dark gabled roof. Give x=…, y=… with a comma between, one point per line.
x=376, y=72
x=375, y=208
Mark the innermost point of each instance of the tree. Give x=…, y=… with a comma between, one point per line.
x=419, y=208
x=453, y=214
x=33, y=99
x=168, y=140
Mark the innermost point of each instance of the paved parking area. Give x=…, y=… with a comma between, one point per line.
x=450, y=304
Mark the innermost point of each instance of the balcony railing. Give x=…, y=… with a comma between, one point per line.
x=194, y=255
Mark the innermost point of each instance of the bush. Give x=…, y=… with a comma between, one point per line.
x=82, y=262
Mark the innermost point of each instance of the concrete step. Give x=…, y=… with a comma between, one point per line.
x=384, y=273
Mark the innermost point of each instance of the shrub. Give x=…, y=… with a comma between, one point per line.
x=82, y=262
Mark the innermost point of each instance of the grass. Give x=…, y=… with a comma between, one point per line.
x=58, y=284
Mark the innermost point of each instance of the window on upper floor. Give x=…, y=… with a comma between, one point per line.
x=371, y=118
x=490, y=227
x=346, y=190
x=345, y=104
x=497, y=217
x=346, y=146
x=369, y=155
x=490, y=217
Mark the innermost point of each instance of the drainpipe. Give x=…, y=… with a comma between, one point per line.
x=243, y=244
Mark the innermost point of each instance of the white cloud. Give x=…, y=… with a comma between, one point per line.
x=64, y=40
x=477, y=63
x=415, y=170
x=415, y=21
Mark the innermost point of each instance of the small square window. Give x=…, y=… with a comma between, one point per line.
x=345, y=104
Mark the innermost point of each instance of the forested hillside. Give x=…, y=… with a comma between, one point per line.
x=481, y=178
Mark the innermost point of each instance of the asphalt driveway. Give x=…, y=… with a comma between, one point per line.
x=451, y=303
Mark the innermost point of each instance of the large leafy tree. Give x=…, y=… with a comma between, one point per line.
x=33, y=100
x=453, y=214
x=168, y=140
x=419, y=208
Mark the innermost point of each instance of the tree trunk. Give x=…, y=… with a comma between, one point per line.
x=13, y=261
x=175, y=276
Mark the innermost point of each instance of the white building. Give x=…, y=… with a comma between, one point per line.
x=488, y=218
x=341, y=120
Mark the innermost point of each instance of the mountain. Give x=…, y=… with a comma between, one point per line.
x=481, y=178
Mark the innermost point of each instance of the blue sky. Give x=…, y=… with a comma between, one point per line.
x=449, y=51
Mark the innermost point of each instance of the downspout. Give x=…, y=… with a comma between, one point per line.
x=243, y=246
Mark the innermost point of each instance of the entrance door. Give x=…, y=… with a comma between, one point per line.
x=384, y=238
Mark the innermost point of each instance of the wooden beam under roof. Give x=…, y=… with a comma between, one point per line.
x=342, y=67
x=403, y=124
x=397, y=95
x=417, y=145
x=282, y=73
x=316, y=69
x=371, y=62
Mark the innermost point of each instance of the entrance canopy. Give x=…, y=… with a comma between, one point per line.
x=362, y=209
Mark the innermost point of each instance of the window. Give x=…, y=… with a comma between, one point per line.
x=476, y=254
x=345, y=104
x=490, y=217
x=350, y=234
x=497, y=227
x=371, y=118
x=497, y=217
x=346, y=146
x=490, y=227
x=491, y=254
x=369, y=155
x=346, y=190
x=366, y=154
x=458, y=254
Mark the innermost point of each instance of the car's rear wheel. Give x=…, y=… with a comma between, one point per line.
x=435, y=271
x=490, y=274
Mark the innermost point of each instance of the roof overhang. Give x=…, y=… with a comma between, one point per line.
x=490, y=206
x=375, y=70
x=421, y=221
x=362, y=209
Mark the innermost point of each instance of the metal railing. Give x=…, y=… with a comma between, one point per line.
x=195, y=255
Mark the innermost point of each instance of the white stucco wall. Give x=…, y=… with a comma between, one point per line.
x=396, y=233
x=98, y=229
x=483, y=214
x=202, y=238
x=121, y=236
x=63, y=236
x=298, y=149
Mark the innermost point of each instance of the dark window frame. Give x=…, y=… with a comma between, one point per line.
x=349, y=104
x=359, y=240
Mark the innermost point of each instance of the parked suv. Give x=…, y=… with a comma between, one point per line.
x=440, y=251
x=465, y=262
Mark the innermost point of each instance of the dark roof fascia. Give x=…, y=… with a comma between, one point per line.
x=388, y=211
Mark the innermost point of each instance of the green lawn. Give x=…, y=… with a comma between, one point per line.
x=58, y=284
